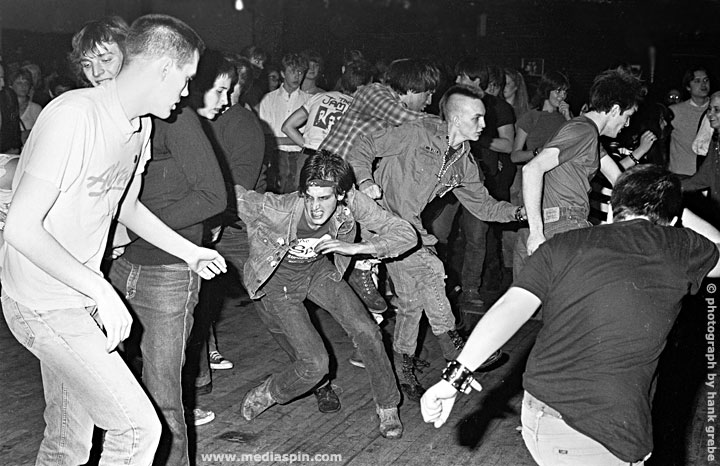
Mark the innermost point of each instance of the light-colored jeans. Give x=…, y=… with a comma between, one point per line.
x=419, y=281
x=84, y=386
x=163, y=299
x=552, y=442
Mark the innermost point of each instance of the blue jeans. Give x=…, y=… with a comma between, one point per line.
x=84, y=386
x=162, y=298
x=419, y=281
x=552, y=442
x=288, y=320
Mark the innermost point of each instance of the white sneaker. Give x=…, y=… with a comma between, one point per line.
x=217, y=361
x=202, y=416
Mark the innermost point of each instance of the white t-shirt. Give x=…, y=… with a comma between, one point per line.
x=277, y=106
x=324, y=110
x=85, y=146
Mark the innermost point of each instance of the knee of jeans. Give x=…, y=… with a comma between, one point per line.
x=314, y=367
x=367, y=335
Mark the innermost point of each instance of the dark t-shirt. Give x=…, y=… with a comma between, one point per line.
x=610, y=295
x=498, y=113
x=302, y=254
x=568, y=184
x=540, y=127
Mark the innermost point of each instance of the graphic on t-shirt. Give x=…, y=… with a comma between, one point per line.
x=115, y=177
x=329, y=111
x=303, y=251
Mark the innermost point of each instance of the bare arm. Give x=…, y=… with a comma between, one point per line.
x=609, y=168
x=518, y=155
x=504, y=142
x=501, y=322
x=701, y=227
x=25, y=232
x=290, y=127
x=646, y=141
x=533, y=174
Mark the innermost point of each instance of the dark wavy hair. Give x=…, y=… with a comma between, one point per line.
x=474, y=68
x=108, y=30
x=615, y=87
x=211, y=66
x=549, y=82
x=411, y=74
x=648, y=190
x=324, y=165
x=356, y=74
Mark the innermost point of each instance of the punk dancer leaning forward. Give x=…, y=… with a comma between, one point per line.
x=289, y=235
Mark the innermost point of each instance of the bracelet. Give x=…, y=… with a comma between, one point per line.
x=632, y=157
x=519, y=217
x=458, y=376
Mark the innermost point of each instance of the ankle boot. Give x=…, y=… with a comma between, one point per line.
x=451, y=343
x=362, y=283
x=405, y=370
x=390, y=425
x=257, y=400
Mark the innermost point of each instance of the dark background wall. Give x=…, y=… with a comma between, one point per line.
x=580, y=37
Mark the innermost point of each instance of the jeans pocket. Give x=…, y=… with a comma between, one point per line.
x=17, y=323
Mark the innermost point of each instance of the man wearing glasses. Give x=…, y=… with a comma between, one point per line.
x=688, y=115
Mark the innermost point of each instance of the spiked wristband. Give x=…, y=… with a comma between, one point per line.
x=458, y=376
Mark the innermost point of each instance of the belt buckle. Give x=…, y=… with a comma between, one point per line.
x=551, y=214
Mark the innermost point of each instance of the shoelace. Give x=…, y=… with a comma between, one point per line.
x=419, y=363
x=366, y=279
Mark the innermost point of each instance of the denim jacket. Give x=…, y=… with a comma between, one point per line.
x=272, y=220
x=411, y=171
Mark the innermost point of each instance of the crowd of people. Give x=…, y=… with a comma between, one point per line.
x=171, y=164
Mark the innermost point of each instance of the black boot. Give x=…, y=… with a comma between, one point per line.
x=362, y=283
x=405, y=369
x=327, y=399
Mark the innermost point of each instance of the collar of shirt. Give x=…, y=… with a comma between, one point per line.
x=128, y=127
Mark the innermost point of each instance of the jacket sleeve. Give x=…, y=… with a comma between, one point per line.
x=391, y=235
x=474, y=196
x=703, y=179
x=249, y=204
x=196, y=159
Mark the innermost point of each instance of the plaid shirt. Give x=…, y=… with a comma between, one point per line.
x=374, y=107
